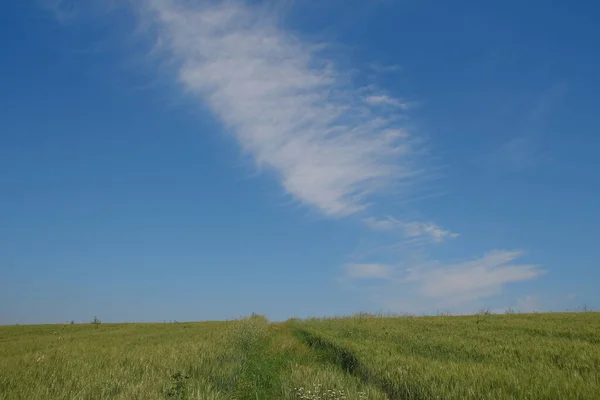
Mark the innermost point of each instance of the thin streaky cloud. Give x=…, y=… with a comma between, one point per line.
x=380, y=68
x=526, y=149
x=410, y=229
x=382, y=99
x=63, y=11
x=380, y=224
x=368, y=271
x=285, y=103
x=432, y=285
x=482, y=277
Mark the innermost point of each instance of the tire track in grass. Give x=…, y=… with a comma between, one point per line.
x=350, y=363
x=258, y=363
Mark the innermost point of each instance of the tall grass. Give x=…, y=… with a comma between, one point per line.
x=542, y=356
x=243, y=359
x=107, y=361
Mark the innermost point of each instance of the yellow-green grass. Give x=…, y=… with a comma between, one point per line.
x=529, y=356
x=537, y=356
x=244, y=359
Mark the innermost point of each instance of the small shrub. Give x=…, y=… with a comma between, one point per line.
x=178, y=390
x=481, y=316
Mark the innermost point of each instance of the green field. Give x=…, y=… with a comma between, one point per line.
x=521, y=356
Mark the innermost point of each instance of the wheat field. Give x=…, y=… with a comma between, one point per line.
x=520, y=356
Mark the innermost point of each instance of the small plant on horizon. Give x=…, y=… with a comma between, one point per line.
x=363, y=315
x=585, y=308
x=481, y=316
x=96, y=321
x=510, y=310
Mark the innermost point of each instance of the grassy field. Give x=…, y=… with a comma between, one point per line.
x=529, y=356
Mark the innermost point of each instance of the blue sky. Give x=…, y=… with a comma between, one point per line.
x=188, y=160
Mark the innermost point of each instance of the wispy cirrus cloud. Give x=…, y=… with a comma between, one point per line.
x=368, y=271
x=526, y=149
x=286, y=103
x=382, y=99
x=438, y=285
x=62, y=10
x=382, y=68
x=69, y=11
x=482, y=277
x=331, y=143
x=411, y=229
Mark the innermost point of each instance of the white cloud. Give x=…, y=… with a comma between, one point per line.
x=435, y=286
x=69, y=11
x=381, y=224
x=483, y=277
x=382, y=99
x=286, y=104
x=412, y=229
x=331, y=144
x=380, y=68
x=366, y=271
x=438, y=234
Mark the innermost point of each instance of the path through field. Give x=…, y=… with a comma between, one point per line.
x=529, y=356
